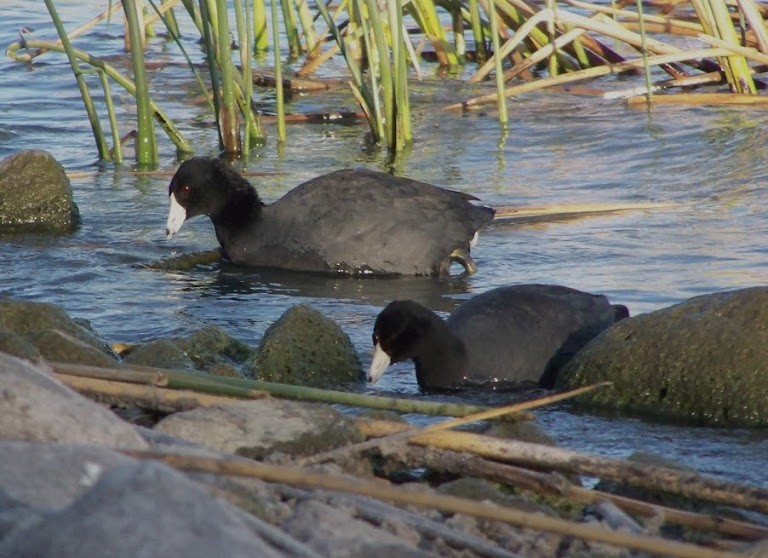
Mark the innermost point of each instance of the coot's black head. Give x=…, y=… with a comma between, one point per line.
x=399, y=334
x=208, y=186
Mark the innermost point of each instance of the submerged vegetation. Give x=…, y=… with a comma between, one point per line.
x=517, y=46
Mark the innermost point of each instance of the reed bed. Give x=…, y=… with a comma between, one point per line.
x=516, y=46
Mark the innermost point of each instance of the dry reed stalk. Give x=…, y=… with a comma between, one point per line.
x=296, y=476
x=465, y=464
x=409, y=432
x=589, y=73
x=683, y=483
x=702, y=99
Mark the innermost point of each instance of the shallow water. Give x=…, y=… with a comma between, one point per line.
x=707, y=164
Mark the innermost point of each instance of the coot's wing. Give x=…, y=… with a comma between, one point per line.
x=520, y=332
x=361, y=219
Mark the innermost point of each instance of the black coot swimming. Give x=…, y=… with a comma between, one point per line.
x=513, y=336
x=356, y=222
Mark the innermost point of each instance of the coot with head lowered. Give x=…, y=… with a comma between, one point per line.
x=355, y=221
x=513, y=336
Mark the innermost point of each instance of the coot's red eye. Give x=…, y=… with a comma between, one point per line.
x=375, y=339
x=185, y=188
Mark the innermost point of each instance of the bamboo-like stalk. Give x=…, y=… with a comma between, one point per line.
x=244, y=26
x=146, y=141
x=239, y=387
x=85, y=94
x=644, y=52
x=425, y=14
x=756, y=23
x=117, y=146
x=381, y=71
x=279, y=95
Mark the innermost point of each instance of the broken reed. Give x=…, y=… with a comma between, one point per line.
x=372, y=38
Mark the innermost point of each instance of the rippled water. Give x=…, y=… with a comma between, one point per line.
x=708, y=165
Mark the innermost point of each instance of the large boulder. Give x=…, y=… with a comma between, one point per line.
x=304, y=347
x=35, y=406
x=142, y=509
x=35, y=195
x=261, y=427
x=703, y=361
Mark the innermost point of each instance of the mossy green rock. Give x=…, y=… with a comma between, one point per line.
x=703, y=361
x=161, y=353
x=35, y=195
x=304, y=347
x=215, y=351
x=57, y=346
x=18, y=346
x=28, y=319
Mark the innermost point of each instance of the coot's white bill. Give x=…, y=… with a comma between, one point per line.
x=176, y=217
x=379, y=364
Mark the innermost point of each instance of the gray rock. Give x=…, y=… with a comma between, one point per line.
x=259, y=428
x=304, y=347
x=704, y=361
x=35, y=195
x=49, y=475
x=161, y=353
x=35, y=406
x=141, y=509
x=27, y=319
x=332, y=531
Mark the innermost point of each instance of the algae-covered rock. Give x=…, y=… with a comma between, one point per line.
x=35, y=195
x=215, y=351
x=29, y=319
x=261, y=427
x=57, y=346
x=18, y=346
x=306, y=348
x=703, y=361
x=161, y=353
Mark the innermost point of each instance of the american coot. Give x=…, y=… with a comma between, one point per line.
x=513, y=336
x=348, y=221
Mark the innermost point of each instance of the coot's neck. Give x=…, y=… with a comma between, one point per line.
x=240, y=206
x=442, y=362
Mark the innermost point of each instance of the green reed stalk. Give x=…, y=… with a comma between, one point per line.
x=170, y=18
x=362, y=92
x=457, y=26
x=93, y=117
x=279, y=97
x=404, y=134
x=502, y=100
x=307, y=23
x=425, y=14
x=146, y=142
x=644, y=52
x=261, y=37
x=227, y=117
x=242, y=18
x=117, y=146
x=291, y=29
x=481, y=52
x=385, y=125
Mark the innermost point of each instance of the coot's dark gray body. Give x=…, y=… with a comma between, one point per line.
x=526, y=333
x=348, y=221
x=513, y=336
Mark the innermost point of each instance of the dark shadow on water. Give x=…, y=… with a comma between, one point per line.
x=433, y=292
